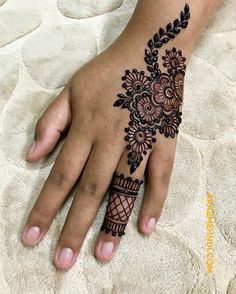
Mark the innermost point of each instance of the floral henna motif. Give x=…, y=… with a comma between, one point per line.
x=154, y=101
x=123, y=192
x=174, y=60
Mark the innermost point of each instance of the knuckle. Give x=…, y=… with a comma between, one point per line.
x=59, y=179
x=90, y=189
x=71, y=241
x=168, y=163
x=40, y=125
x=163, y=177
x=71, y=238
x=40, y=215
x=164, y=173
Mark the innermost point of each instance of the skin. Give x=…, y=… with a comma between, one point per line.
x=94, y=147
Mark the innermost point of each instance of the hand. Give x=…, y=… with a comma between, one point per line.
x=95, y=145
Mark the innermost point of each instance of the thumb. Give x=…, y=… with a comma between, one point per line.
x=55, y=120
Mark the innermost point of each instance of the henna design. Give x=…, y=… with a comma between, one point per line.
x=154, y=101
x=123, y=192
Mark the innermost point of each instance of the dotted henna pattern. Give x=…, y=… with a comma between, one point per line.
x=154, y=101
x=123, y=192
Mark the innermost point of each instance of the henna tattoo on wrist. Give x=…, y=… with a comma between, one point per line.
x=154, y=101
x=123, y=192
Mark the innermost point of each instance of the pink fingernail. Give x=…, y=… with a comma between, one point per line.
x=107, y=248
x=31, y=236
x=150, y=225
x=65, y=257
x=32, y=148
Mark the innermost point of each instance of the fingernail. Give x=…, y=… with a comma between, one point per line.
x=65, y=257
x=32, y=235
x=32, y=148
x=150, y=225
x=107, y=248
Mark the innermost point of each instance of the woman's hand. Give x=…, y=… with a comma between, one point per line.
x=148, y=108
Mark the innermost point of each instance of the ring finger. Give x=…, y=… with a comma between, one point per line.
x=123, y=192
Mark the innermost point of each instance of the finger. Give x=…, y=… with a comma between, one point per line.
x=123, y=192
x=90, y=191
x=158, y=173
x=49, y=127
x=64, y=174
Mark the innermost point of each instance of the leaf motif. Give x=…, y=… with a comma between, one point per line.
x=176, y=22
x=149, y=68
x=147, y=53
x=156, y=66
x=184, y=24
x=155, y=53
x=165, y=40
x=125, y=105
x=156, y=38
x=169, y=26
x=176, y=31
x=158, y=45
x=148, y=60
x=186, y=9
x=187, y=16
x=171, y=35
x=150, y=44
x=133, y=168
x=118, y=102
x=121, y=96
x=161, y=32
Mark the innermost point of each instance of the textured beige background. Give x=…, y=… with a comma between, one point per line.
x=41, y=44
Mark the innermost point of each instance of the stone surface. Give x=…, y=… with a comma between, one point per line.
x=19, y=125
x=168, y=264
x=15, y=23
x=114, y=25
x=207, y=92
x=2, y=2
x=53, y=55
x=172, y=259
x=222, y=184
x=87, y=8
x=224, y=53
x=232, y=287
x=224, y=18
x=9, y=72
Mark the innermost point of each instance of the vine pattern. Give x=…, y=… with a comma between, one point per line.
x=154, y=100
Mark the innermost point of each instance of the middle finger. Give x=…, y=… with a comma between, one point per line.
x=90, y=191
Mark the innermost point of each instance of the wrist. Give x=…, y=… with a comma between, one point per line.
x=151, y=15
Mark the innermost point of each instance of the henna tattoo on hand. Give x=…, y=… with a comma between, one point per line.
x=123, y=192
x=154, y=101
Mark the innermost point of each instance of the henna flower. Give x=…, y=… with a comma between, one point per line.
x=147, y=111
x=174, y=60
x=153, y=101
x=164, y=93
x=140, y=138
x=179, y=84
x=135, y=82
x=170, y=124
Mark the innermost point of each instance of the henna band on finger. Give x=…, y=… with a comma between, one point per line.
x=123, y=192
